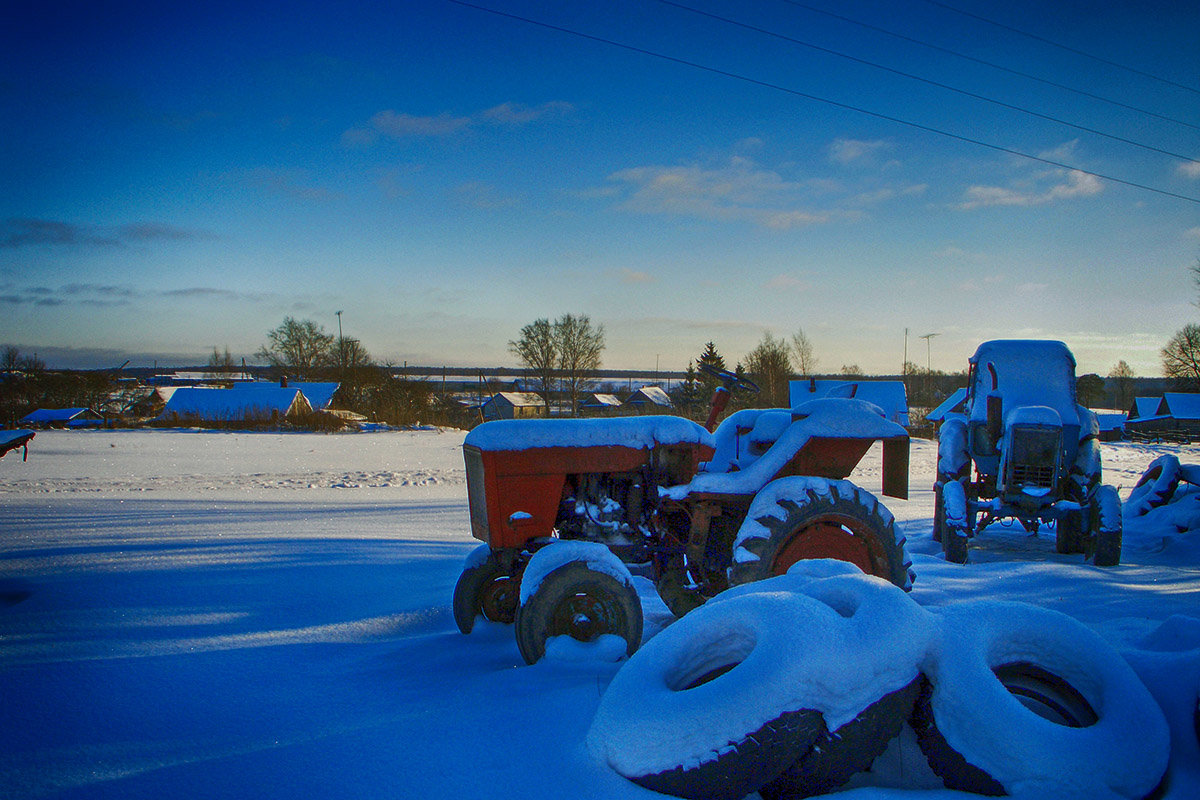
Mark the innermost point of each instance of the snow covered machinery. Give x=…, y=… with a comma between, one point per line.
x=571, y=509
x=1035, y=451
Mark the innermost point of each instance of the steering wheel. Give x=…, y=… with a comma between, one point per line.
x=731, y=380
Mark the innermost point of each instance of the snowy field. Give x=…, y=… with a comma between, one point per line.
x=208, y=614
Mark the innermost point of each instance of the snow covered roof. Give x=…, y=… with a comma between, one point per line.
x=241, y=402
x=1144, y=408
x=319, y=394
x=888, y=395
x=636, y=432
x=649, y=394
x=598, y=399
x=47, y=416
x=1113, y=421
x=951, y=405
x=517, y=399
x=1180, y=405
x=11, y=440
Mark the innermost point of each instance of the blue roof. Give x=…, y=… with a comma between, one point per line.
x=1144, y=408
x=888, y=395
x=47, y=415
x=240, y=402
x=1180, y=405
x=1111, y=422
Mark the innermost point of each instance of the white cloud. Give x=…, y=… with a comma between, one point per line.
x=397, y=125
x=1189, y=169
x=518, y=114
x=1062, y=152
x=740, y=191
x=848, y=151
x=1071, y=184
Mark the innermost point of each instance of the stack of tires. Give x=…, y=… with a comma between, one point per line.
x=791, y=686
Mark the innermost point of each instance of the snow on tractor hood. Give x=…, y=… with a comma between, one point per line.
x=1025, y=372
x=827, y=417
x=641, y=433
x=1043, y=416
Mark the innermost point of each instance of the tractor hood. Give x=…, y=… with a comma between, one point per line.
x=1024, y=373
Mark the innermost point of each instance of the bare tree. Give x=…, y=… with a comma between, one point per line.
x=220, y=365
x=852, y=370
x=802, y=349
x=580, y=345
x=1181, y=357
x=1122, y=374
x=770, y=365
x=537, y=350
x=299, y=347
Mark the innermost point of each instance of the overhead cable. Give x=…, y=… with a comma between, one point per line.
x=1062, y=46
x=991, y=64
x=927, y=81
x=817, y=99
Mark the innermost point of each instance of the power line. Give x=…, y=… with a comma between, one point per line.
x=1062, y=46
x=824, y=100
x=927, y=81
x=991, y=64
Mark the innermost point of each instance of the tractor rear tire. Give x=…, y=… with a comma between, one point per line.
x=1069, y=536
x=822, y=519
x=486, y=588
x=585, y=604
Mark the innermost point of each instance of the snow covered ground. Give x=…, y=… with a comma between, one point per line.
x=213, y=614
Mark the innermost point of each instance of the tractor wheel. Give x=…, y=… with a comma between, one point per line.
x=580, y=602
x=485, y=587
x=1021, y=697
x=1069, y=536
x=957, y=524
x=820, y=519
x=939, y=513
x=1105, y=513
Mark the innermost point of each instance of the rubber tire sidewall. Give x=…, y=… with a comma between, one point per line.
x=467, y=604
x=534, y=615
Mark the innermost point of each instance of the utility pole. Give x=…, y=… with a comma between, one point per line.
x=341, y=350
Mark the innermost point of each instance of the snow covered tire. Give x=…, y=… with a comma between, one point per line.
x=576, y=598
x=1021, y=699
x=485, y=588
x=1105, y=512
x=1156, y=486
x=956, y=530
x=797, y=518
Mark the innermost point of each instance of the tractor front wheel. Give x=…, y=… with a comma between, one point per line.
x=582, y=603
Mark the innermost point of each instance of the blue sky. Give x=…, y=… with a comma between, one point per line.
x=175, y=178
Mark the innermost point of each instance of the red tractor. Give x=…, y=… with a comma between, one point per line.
x=571, y=509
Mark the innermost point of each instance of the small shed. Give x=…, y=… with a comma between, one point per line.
x=61, y=418
x=599, y=402
x=240, y=404
x=891, y=396
x=319, y=394
x=1112, y=425
x=513, y=405
x=649, y=398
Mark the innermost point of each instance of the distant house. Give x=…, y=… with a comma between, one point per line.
x=61, y=418
x=319, y=394
x=240, y=404
x=513, y=405
x=1144, y=417
x=888, y=395
x=649, y=398
x=599, y=402
x=1183, y=411
x=1112, y=425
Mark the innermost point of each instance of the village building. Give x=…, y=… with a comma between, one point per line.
x=513, y=405
x=649, y=400
x=61, y=418
x=240, y=404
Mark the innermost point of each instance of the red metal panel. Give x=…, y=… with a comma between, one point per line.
x=827, y=458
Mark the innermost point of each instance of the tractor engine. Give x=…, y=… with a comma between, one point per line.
x=605, y=507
